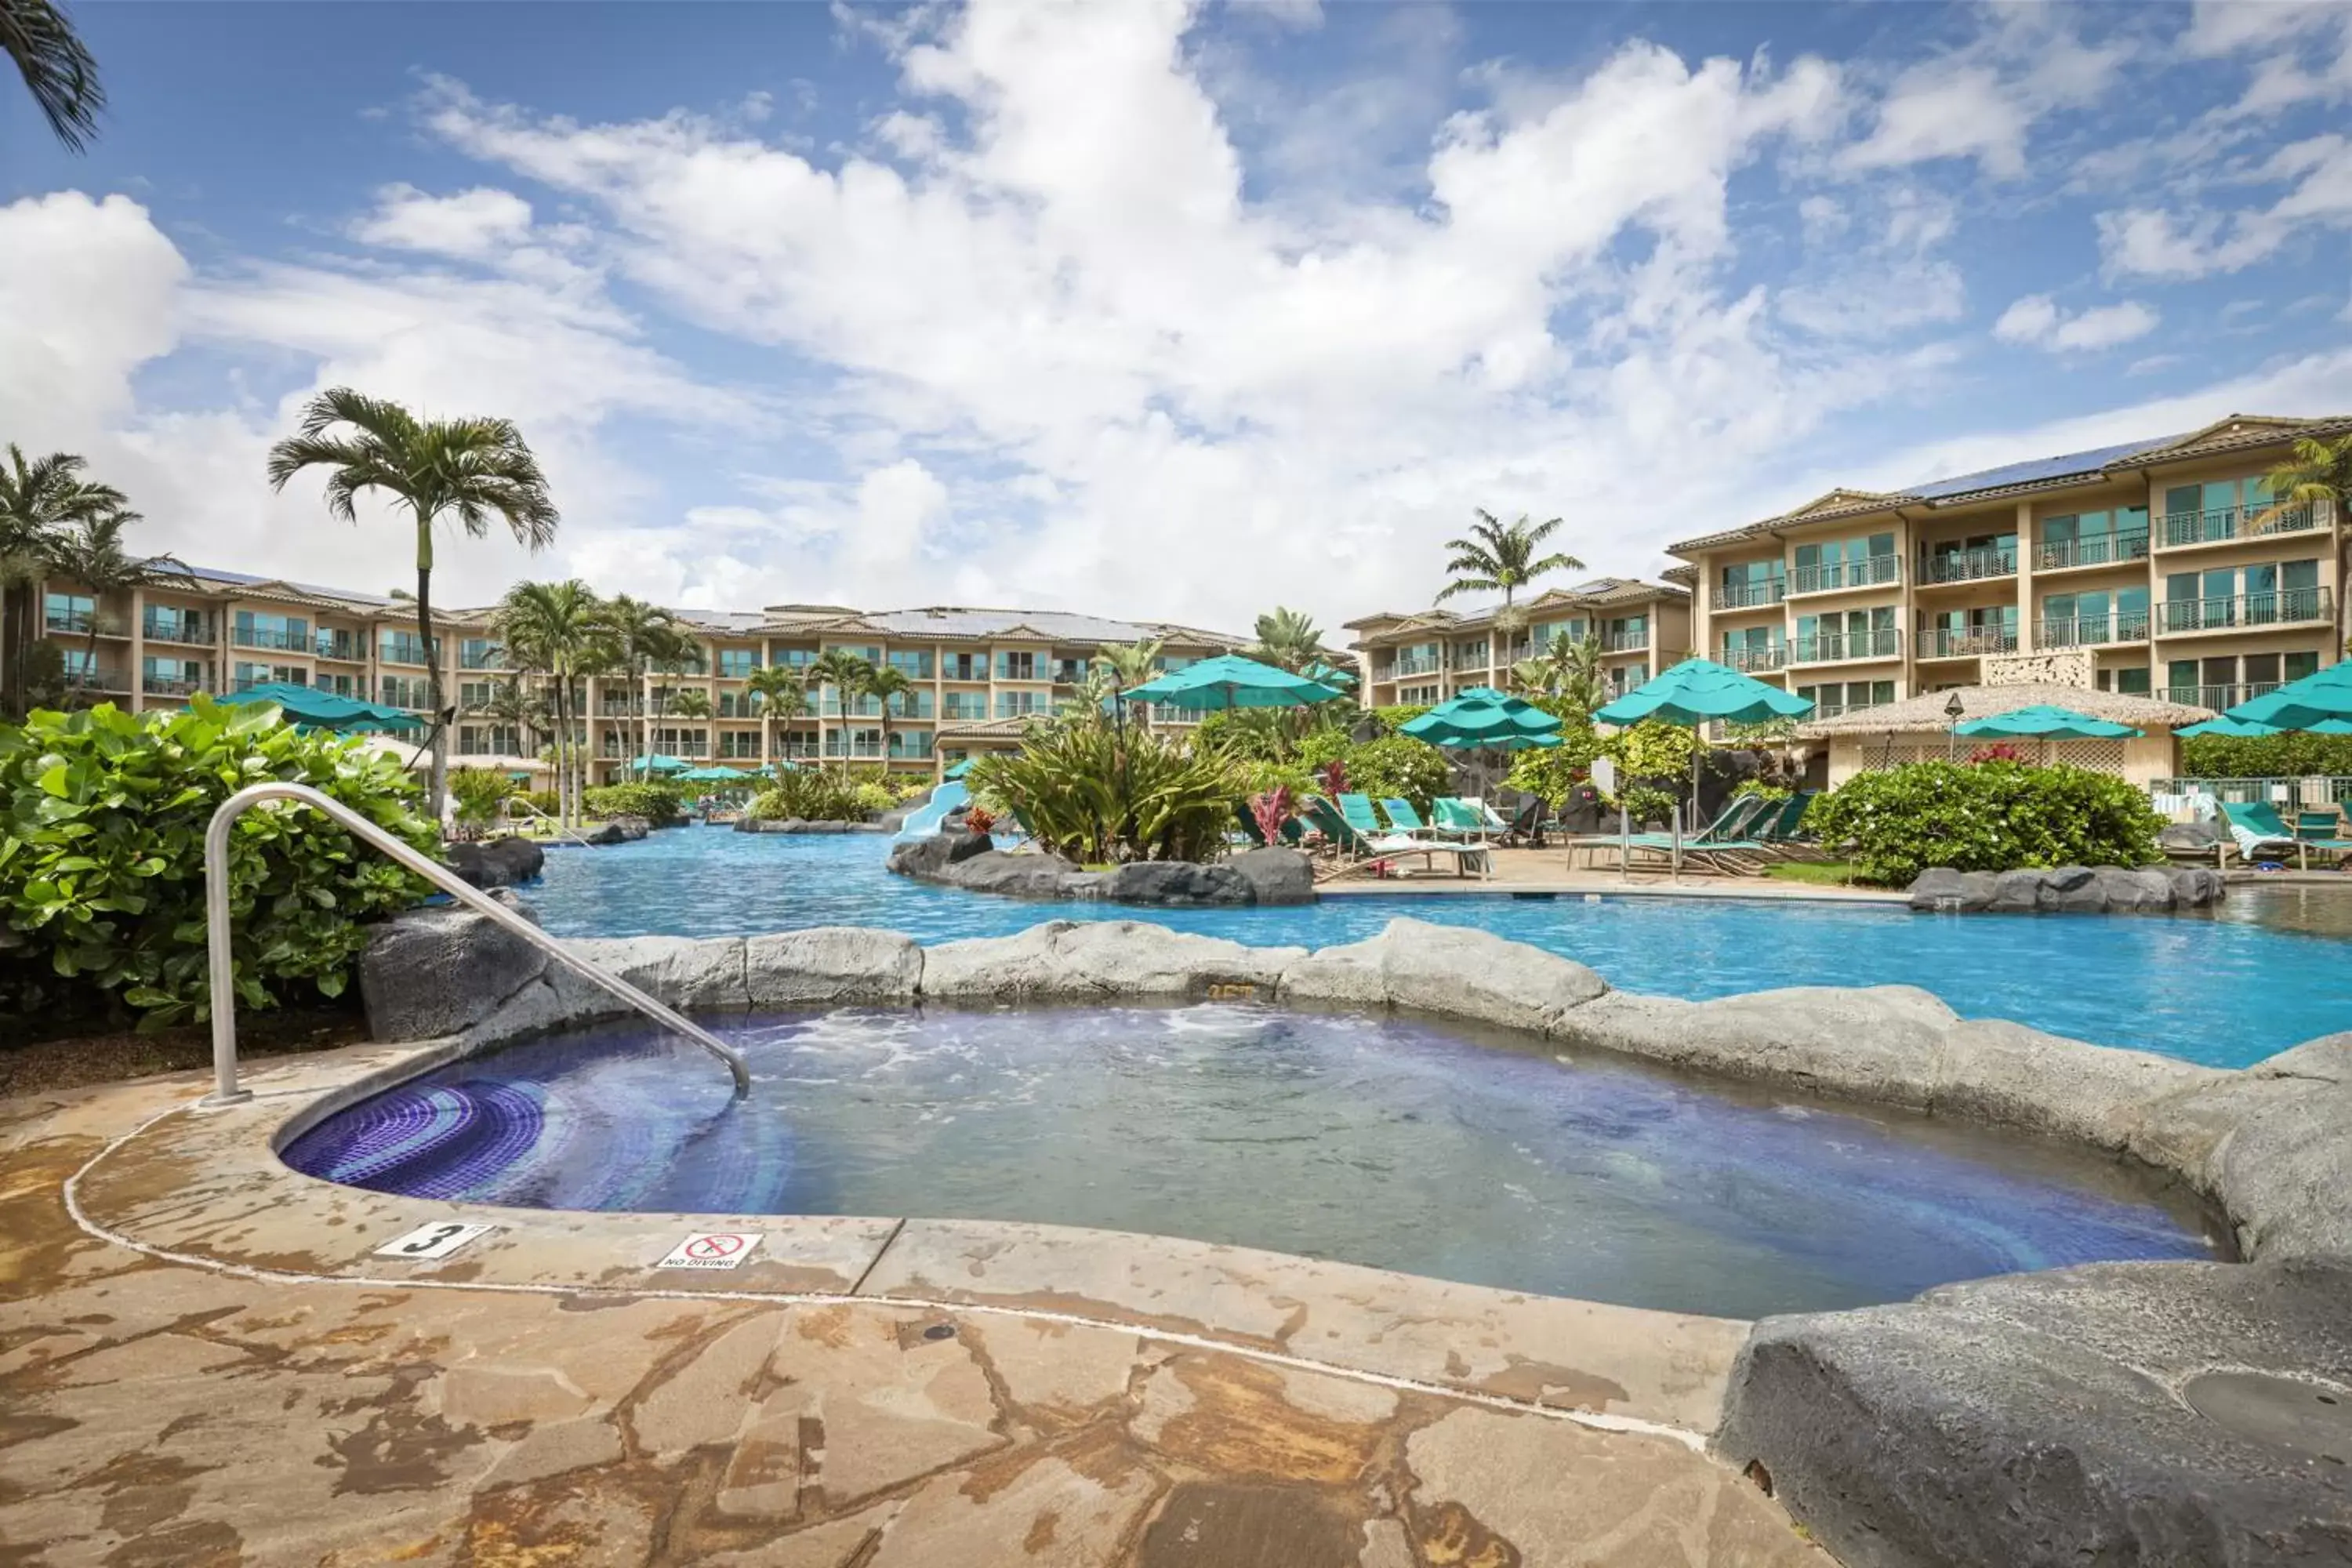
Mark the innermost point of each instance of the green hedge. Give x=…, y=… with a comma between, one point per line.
x=814, y=795
x=1986, y=816
x=102, y=860
x=656, y=803
x=2292, y=756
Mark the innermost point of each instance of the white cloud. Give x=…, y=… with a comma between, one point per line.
x=2036, y=321
x=2153, y=242
x=1983, y=100
x=472, y=224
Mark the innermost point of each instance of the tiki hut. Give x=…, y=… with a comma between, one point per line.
x=1919, y=728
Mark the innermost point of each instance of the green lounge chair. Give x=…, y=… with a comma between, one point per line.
x=1780, y=829
x=1379, y=843
x=2322, y=830
x=1462, y=818
x=1721, y=844
x=2259, y=834
x=1405, y=819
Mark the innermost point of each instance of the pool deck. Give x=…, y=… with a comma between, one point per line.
x=204, y=1359
x=1541, y=872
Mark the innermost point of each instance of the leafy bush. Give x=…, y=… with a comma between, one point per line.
x=1083, y=797
x=476, y=794
x=1553, y=771
x=871, y=800
x=1986, y=816
x=658, y=803
x=2291, y=755
x=102, y=859
x=813, y=796
x=1399, y=765
x=541, y=800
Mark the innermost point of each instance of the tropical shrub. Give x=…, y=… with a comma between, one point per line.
x=1399, y=765
x=1084, y=794
x=102, y=820
x=541, y=800
x=2000, y=752
x=979, y=819
x=1270, y=809
x=1258, y=776
x=1552, y=771
x=811, y=796
x=1986, y=816
x=477, y=795
x=2291, y=755
x=658, y=803
x=871, y=799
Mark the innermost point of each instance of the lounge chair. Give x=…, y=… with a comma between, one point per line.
x=1780, y=828
x=1463, y=819
x=1723, y=845
x=1357, y=810
x=2322, y=830
x=1357, y=844
x=1405, y=819
x=2259, y=834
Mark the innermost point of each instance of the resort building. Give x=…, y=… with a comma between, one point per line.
x=978, y=674
x=1426, y=656
x=2161, y=561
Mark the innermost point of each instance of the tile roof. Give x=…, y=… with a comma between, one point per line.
x=1598, y=593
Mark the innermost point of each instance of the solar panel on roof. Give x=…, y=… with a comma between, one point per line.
x=2033, y=470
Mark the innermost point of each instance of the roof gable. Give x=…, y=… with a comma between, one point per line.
x=1841, y=501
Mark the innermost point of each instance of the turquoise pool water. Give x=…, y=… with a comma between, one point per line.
x=2226, y=991
x=1393, y=1142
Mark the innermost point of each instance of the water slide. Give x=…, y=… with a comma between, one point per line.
x=926, y=820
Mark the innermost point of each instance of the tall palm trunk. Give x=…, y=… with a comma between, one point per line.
x=437, y=790
x=640, y=699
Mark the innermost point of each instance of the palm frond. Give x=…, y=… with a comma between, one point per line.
x=58, y=69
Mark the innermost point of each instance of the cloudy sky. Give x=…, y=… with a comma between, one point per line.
x=1165, y=310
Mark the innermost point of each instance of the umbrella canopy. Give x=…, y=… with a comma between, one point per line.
x=2247, y=728
x=2044, y=722
x=1330, y=675
x=1699, y=689
x=1483, y=717
x=318, y=710
x=659, y=765
x=1230, y=680
x=2302, y=704
x=713, y=775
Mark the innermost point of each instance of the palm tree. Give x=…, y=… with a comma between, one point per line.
x=692, y=703
x=780, y=696
x=2319, y=472
x=1287, y=639
x=889, y=683
x=847, y=674
x=643, y=635
x=38, y=501
x=470, y=469
x=1129, y=664
x=1568, y=669
x=58, y=69
x=551, y=628
x=91, y=554
x=1499, y=556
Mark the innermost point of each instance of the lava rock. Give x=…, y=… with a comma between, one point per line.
x=1019, y=876
x=923, y=858
x=1454, y=970
x=827, y=964
x=2072, y=889
x=435, y=972
x=2068, y=890
x=964, y=846
x=609, y=833
x=499, y=863
x=2069, y=1416
x=1067, y=959
x=2135, y=892
x=1277, y=875
x=1177, y=883
x=2016, y=892
x=2197, y=887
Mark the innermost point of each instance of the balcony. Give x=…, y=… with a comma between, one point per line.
x=1751, y=595
x=2249, y=612
x=1844, y=647
x=1752, y=659
x=1626, y=642
x=98, y=677
x=277, y=639
x=1839, y=576
x=341, y=647
x=401, y=651
x=2093, y=631
x=482, y=658
x=952, y=671
x=164, y=686
x=2093, y=549
x=795, y=748
x=1831, y=709
x=2218, y=696
x=1406, y=668
x=1965, y=642
x=2218, y=524
x=81, y=623
x=1967, y=566
x=191, y=632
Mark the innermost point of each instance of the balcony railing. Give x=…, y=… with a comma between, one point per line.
x=482, y=658
x=1869, y=573
x=1840, y=648
x=2219, y=697
x=1771, y=658
x=402, y=650
x=1626, y=642
x=2221, y=522
x=951, y=670
x=1968, y=565
x=192, y=632
x=98, y=677
x=1966, y=642
x=2091, y=550
x=279, y=639
x=78, y=623
x=165, y=686
x=2090, y=631
x=1751, y=595
x=2285, y=608
x=342, y=648
x=1406, y=668
x=1831, y=709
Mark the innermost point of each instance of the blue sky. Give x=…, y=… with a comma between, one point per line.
x=1155, y=310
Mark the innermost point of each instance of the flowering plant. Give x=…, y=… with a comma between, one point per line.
x=1270, y=809
x=979, y=819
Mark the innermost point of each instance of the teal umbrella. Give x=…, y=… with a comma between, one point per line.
x=1697, y=691
x=2302, y=704
x=1481, y=717
x=712, y=776
x=1230, y=680
x=660, y=764
x=1332, y=675
x=313, y=709
x=2247, y=728
x=2044, y=722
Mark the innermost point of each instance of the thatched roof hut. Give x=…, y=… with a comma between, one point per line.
x=1918, y=729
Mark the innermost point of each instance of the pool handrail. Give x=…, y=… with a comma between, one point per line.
x=222, y=963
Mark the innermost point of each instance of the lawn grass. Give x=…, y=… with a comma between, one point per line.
x=1821, y=873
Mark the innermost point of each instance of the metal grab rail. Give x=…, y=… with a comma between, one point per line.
x=223, y=967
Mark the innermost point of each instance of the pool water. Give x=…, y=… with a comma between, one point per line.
x=2227, y=991
x=1392, y=1142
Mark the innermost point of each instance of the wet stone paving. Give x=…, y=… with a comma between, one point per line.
x=154, y=1414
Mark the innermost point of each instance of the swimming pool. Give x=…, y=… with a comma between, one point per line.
x=2226, y=991
x=1393, y=1142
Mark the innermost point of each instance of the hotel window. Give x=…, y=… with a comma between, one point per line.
x=1069, y=671
x=2132, y=680
x=737, y=663
x=488, y=741
x=474, y=694
x=915, y=663
x=168, y=623
x=1844, y=564
x=405, y=690
x=68, y=612
x=964, y=666
x=2093, y=537
x=481, y=653
x=683, y=742
x=1016, y=665
x=1020, y=704
x=1418, y=696
x=738, y=743
x=286, y=634
x=1167, y=662
x=400, y=648
x=245, y=676
x=340, y=684
x=967, y=705
x=1750, y=582
x=1754, y=647
x=1471, y=654
x=2226, y=509
x=793, y=658
x=912, y=705
x=1978, y=556
x=910, y=742
x=339, y=643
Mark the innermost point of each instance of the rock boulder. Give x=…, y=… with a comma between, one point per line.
x=1458, y=970
x=824, y=965
x=1067, y=959
x=1178, y=882
x=497, y=863
x=1277, y=875
x=436, y=972
x=2068, y=890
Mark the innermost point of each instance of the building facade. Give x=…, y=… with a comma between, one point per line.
x=1427, y=656
x=2164, y=558
x=978, y=675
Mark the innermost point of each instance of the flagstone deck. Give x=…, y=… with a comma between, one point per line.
x=208, y=1365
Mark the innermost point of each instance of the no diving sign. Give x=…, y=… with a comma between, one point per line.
x=710, y=1249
